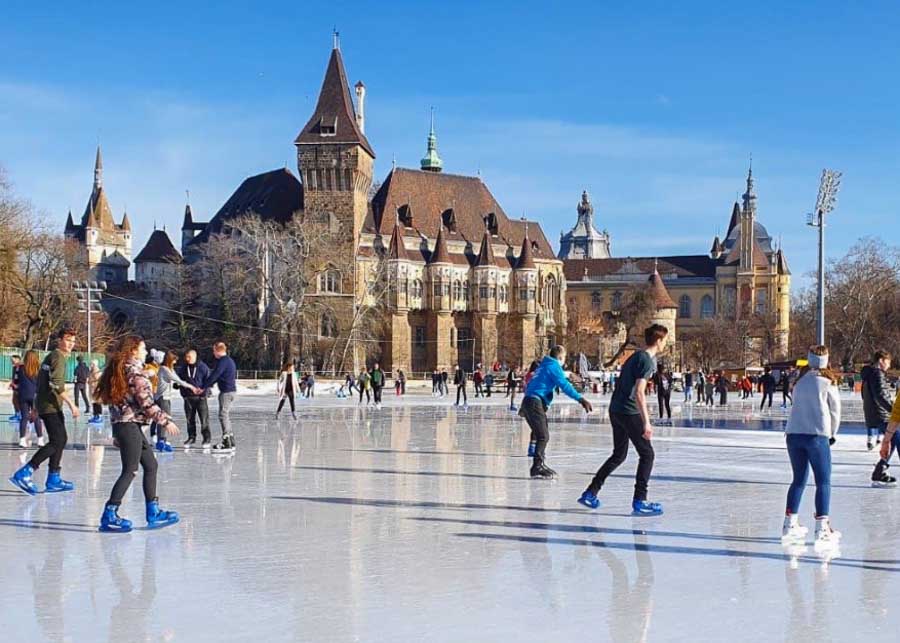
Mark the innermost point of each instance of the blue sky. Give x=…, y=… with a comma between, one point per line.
x=652, y=107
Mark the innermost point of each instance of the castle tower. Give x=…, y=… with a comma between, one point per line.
x=335, y=162
x=584, y=241
x=432, y=162
x=665, y=310
x=524, y=287
x=398, y=353
x=440, y=319
x=488, y=279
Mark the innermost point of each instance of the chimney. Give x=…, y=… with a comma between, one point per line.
x=360, y=106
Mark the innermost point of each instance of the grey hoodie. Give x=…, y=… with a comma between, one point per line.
x=817, y=406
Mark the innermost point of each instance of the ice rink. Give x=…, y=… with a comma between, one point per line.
x=418, y=522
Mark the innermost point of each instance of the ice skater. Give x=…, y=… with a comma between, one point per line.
x=195, y=372
x=166, y=381
x=889, y=445
x=93, y=380
x=27, y=378
x=49, y=400
x=630, y=420
x=223, y=375
x=363, y=382
x=876, y=396
x=460, y=380
x=16, y=361
x=538, y=398
x=287, y=388
x=768, y=388
x=82, y=373
x=811, y=429
x=378, y=379
x=125, y=388
x=663, y=381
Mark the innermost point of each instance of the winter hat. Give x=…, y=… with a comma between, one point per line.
x=817, y=361
x=157, y=356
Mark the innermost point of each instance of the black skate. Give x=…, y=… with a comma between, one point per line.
x=226, y=446
x=542, y=472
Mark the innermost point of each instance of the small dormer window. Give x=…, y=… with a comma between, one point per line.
x=404, y=213
x=328, y=126
x=490, y=221
x=448, y=218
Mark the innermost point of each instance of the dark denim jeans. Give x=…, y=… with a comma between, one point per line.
x=807, y=451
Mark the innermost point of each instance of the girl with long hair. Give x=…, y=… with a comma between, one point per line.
x=125, y=388
x=288, y=387
x=811, y=429
x=27, y=388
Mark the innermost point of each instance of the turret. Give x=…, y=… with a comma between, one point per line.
x=486, y=277
x=439, y=275
x=398, y=267
x=525, y=278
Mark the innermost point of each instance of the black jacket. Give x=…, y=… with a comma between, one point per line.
x=876, y=396
x=82, y=372
x=459, y=377
x=768, y=383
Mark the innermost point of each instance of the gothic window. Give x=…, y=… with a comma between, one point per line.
x=684, y=307
x=617, y=300
x=330, y=281
x=419, y=336
x=596, y=302
x=707, y=307
x=504, y=294
x=328, y=326
x=551, y=293
x=417, y=288
x=762, y=301
x=483, y=292
x=457, y=291
x=730, y=300
x=466, y=291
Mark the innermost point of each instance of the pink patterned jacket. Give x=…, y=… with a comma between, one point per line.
x=138, y=405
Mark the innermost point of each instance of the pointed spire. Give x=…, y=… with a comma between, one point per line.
x=440, y=253
x=735, y=218
x=188, y=218
x=334, y=119
x=750, y=195
x=126, y=224
x=70, y=223
x=486, y=252
x=396, y=249
x=91, y=221
x=526, y=258
x=432, y=162
x=98, y=170
x=716, y=248
x=658, y=291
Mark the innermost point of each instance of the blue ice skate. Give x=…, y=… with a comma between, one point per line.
x=589, y=500
x=111, y=522
x=163, y=447
x=97, y=419
x=644, y=508
x=15, y=418
x=156, y=518
x=22, y=479
x=532, y=447
x=55, y=483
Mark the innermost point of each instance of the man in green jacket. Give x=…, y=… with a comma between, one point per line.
x=51, y=395
x=377, y=384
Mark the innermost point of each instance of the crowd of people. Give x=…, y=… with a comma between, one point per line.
x=138, y=387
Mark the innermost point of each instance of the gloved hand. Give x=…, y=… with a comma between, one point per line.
x=831, y=440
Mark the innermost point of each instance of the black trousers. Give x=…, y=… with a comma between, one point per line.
x=97, y=409
x=535, y=413
x=155, y=429
x=625, y=428
x=461, y=390
x=766, y=395
x=664, y=399
x=785, y=396
x=723, y=397
x=55, y=424
x=288, y=395
x=479, y=392
x=376, y=391
x=194, y=407
x=81, y=388
x=368, y=397
x=134, y=449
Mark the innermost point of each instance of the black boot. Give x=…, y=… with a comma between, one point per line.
x=540, y=471
x=881, y=478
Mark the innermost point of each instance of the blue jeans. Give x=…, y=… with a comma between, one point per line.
x=687, y=393
x=807, y=451
x=875, y=431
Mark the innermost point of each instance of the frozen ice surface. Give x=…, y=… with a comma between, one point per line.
x=418, y=522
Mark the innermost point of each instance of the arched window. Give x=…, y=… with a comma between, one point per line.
x=596, y=302
x=457, y=290
x=328, y=326
x=684, y=307
x=551, y=293
x=617, y=300
x=504, y=294
x=466, y=290
x=417, y=288
x=707, y=307
x=330, y=281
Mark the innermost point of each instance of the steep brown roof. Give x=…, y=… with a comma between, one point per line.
x=159, y=248
x=486, y=252
x=526, y=258
x=97, y=212
x=334, y=110
x=429, y=194
x=660, y=295
x=440, y=254
x=397, y=249
x=701, y=266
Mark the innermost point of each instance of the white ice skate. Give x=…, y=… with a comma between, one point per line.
x=826, y=537
x=42, y=440
x=792, y=531
x=23, y=443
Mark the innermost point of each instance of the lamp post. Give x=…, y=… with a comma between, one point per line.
x=89, y=294
x=829, y=185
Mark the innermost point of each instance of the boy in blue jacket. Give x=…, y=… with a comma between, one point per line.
x=538, y=398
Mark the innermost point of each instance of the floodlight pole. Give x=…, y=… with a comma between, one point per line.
x=828, y=189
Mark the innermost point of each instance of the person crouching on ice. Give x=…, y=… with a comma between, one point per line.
x=538, y=397
x=125, y=388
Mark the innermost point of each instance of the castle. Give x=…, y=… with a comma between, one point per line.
x=468, y=284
